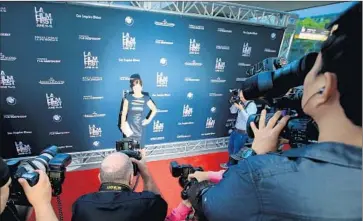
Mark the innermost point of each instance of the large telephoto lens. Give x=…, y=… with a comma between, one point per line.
x=41, y=161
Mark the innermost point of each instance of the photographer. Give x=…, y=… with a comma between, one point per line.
x=116, y=199
x=321, y=181
x=39, y=196
x=238, y=137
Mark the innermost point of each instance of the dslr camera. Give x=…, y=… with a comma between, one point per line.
x=129, y=147
x=234, y=96
x=50, y=161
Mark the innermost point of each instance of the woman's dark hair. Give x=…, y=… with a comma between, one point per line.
x=133, y=82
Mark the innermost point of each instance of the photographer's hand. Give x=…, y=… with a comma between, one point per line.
x=149, y=184
x=199, y=175
x=266, y=136
x=239, y=106
x=40, y=196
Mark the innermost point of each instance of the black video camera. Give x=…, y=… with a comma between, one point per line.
x=273, y=86
x=50, y=161
x=234, y=96
x=128, y=147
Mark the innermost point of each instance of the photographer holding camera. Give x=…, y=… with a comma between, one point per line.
x=238, y=137
x=116, y=199
x=39, y=196
x=321, y=181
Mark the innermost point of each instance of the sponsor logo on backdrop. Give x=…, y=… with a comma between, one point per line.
x=196, y=27
x=190, y=79
x=94, y=131
x=224, y=30
x=90, y=78
x=163, y=42
x=215, y=95
x=183, y=136
x=208, y=134
x=222, y=47
x=46, y=38
x=5, y=34
x=193, y=63
x=43, y=19
x=23, y=149
x=268, y=50
x=241, y=64
x=163, y=61
x=93, y=115
x=273, y=36
x=53, y=102
x=161, y=80
x=2, y=9
x=129, y=21
x=164, y=23
x=241, y=79
x=190, y=95
x=161, y=95
x=6, y=81
x=187, y=111
x=157, y=138
x=217, y=80
x=65, y=147
x=96, y=143
x=54, y=133
x=90, y=62
x=185, y=123
x=13, y=116
x=250, y=33
x=88, y=38
x=246, y=50
x=158, y=126
x=57, y=118
x=90, y=97
x=210, y=123
x=125, y=78
x=6, y=58
x=128, y=42
x=20, y=132
x=162, y=111
x=51, y=81
x=129, y=60
x=220, y=65
x=194, y=46
x=11, y=100
x=46, y=60
x=93, y=17
x=213, y=110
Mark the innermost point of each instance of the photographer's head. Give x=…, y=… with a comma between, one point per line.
x=241, y=96
x=332, y=89
x=117, y=168
x=5, y=182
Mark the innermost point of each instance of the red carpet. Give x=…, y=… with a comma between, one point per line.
x=78, y=183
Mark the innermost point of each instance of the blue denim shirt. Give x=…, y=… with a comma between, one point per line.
x=318, y=182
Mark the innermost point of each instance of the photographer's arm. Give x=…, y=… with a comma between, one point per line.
x=213, y=176
x=233, y=108
x=149, y=183
x=181, y=212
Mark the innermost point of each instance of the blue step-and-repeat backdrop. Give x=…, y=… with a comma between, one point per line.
x=64, y=69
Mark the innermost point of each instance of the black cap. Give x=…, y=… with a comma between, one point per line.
x=4, y=173
x=134, y=77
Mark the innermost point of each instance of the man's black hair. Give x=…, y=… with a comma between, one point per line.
x=342, y=55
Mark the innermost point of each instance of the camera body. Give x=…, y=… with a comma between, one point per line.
x=234, y=96
x=128, y=147
x=50, y=161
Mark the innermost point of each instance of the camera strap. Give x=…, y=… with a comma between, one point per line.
x=246, y=105
x=114, y=187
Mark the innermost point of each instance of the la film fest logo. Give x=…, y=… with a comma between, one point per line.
x=90, y=62
x=51, y=81
x=94, y=131
x=11, y=101
x=6, y=81
x=246, y=50
x=128, y=42
x=164, y=23
x=220, y=65
x=161, y=80
x=22, y=148
x=57, y=118
x=3, y=57
x=190, y=95
x=163, y=61
x=129, y=21
x=187, y=111
x=194, y=46
x=210, y=123
x=53, y=102
x=158, y=126
x=43, y=19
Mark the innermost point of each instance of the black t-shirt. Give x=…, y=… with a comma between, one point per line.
x=10, y=213
x=120, y=206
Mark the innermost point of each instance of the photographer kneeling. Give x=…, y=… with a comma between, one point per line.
x=39, y=196
x=321, y=181
x=116, y=200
